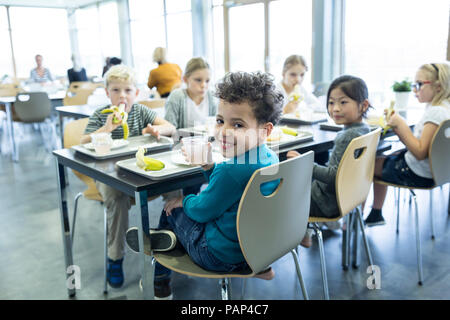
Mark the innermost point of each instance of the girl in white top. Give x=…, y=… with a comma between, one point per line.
x=294, y=70
x=411, y=166
x=191, y=106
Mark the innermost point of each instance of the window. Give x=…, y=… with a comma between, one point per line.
x=393, y=41
x=217, y=59
x=33, y=32
x=147, y=33
x=98, y=36
x=153, y=27
x=247, y=37
x=290, y=27
x=6, y=66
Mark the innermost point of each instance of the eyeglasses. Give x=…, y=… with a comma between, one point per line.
x=417, y=85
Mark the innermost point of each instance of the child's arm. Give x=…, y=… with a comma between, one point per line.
x=418, y=146
x=159, y=127
x=109, y=126
x=222, y=192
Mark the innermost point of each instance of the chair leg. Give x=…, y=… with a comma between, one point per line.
x=431, y=214
x=225, y=288
x=299, y=275
x=398, y=209
x=105, y=244
x=448, y=206
x=366, y=243
x=323, y=266
x=346, y=235
x=419, y=254
x=244, y=284
x=355, y=263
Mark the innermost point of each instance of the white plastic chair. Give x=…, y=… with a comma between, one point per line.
x=439, y=157
x=353, y=181
x=268, y=227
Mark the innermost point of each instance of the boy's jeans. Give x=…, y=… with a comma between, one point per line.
x=191, y=235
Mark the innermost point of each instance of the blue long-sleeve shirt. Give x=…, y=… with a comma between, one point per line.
x=218, y=204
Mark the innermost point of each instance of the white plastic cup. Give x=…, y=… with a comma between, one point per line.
x=210, y=126
x=102, y=142
x=196, y=149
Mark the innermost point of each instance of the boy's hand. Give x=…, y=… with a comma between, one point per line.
x=152, y=130
x=193, y=160
x=172, y=204
x=110, y=125
x=292, y=154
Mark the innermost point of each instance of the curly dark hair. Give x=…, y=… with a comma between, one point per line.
x=255, y=88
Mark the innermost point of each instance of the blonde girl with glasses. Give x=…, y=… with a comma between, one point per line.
x=411, y=167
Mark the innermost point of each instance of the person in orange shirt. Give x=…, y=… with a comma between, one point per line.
x=166, y=77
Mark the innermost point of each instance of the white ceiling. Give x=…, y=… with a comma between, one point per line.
x=49, y=3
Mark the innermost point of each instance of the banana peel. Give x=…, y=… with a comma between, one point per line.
x=289, y=131
x=147, y=163
x=121, y=110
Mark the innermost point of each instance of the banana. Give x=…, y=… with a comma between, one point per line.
x=389, y=113
x=289, y=131
x=296, y=95
x=147, y=163
x=121, y=110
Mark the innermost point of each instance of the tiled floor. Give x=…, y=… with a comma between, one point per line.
x=32, y=259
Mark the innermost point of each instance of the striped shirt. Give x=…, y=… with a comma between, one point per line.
x=138, y=119
x=35, y=77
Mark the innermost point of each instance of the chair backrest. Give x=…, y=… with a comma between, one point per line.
x=32, y=106
x=73, y=131
x=77, y=97
x=83, y=85
x=439, y=154
x=153, y=104
x=355, y=172
x=9, y=90
x=270, y=226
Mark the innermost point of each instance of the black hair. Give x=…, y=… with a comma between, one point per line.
x=115, y=61
x=355, y=88
x=255, y=88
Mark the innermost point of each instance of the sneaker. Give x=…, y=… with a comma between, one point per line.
x=163, y=290
x=114, y=273
x=162, y=240
x=375, y=218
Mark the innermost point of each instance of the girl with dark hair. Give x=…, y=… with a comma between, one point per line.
x=348, y=103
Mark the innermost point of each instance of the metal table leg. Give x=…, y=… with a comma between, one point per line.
x=65, y=225
x=61, y=132
x=145, y=260
x=10, y=125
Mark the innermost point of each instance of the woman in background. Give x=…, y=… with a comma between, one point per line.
x=167, y=76
x=40, y=74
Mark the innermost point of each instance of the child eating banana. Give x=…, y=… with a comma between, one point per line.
x=122, y=118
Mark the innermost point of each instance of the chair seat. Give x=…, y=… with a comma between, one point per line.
x=323, y=219
x=377, y=180
x=179, y=261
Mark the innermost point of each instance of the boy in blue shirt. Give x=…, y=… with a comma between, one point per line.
x=205, y=224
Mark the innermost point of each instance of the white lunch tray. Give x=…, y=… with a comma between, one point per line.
x=147, y=141
x=173, y=166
